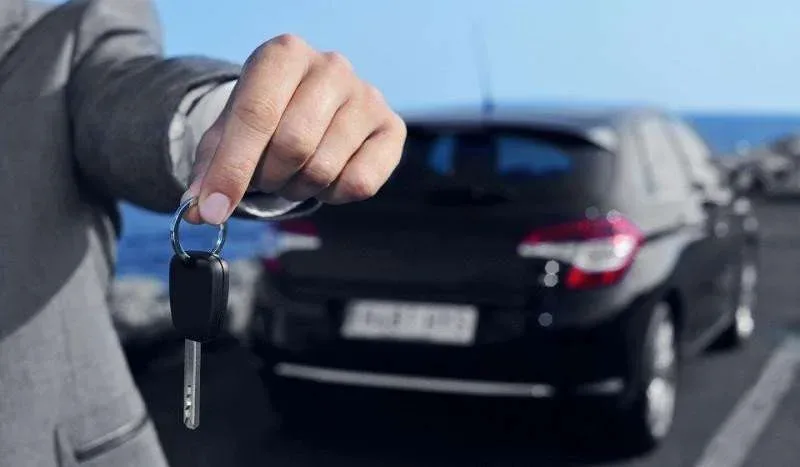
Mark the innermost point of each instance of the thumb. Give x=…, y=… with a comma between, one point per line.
x=202, y=160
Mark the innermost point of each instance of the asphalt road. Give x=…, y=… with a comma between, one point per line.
x=237, y=428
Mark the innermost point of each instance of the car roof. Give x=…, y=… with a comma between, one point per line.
x=578, y=116
x=598, y=124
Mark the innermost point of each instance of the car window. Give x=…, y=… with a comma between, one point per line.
x=659, y=158
x=513, y=156
x=541, y=165
x=690, y=143
x=695, y=153
x=646, y=178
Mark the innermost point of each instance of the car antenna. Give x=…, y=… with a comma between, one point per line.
x=483, y=68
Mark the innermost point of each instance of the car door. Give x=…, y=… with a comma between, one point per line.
x=692, y=233
x=724, y=236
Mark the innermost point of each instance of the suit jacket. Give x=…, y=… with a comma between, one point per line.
x=87, y=100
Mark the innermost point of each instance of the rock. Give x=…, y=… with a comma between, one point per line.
x=140, y=308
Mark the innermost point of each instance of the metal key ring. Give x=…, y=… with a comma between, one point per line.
x=174, y=232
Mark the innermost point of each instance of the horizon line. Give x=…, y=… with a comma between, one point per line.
x=696, y=110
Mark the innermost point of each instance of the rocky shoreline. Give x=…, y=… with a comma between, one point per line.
x=140, y=304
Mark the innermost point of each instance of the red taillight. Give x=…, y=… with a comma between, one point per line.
x=598, y=251
x=288, y=235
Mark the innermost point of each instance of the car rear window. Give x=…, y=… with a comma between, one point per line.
x=535, y=165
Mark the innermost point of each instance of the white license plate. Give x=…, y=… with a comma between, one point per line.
x=422, y=322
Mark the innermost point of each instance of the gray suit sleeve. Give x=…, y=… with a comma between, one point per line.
x=123, y=95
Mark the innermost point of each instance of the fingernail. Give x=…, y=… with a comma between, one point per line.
x=215, y=208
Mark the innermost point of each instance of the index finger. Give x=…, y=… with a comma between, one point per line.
x=260, y=97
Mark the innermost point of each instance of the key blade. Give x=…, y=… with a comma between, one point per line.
x=191, y=384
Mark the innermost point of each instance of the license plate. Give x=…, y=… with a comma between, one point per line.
x=422, y=322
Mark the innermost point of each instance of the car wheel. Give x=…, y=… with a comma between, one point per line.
x=647, y=419
x=741, y=328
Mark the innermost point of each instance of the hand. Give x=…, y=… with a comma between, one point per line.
x=299, y=124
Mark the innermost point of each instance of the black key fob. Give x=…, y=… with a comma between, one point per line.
x=198, y=295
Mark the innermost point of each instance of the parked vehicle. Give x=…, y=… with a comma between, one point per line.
x=771, y=172
x=759, y=172
x=519, y=254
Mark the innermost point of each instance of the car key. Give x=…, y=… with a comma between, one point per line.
x=198, y=295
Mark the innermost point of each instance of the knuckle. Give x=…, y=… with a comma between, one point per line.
x=291, y=42
x=373, y=94
x=293, y=144
x=318, y=175
x=278, y=47
x=257, y=114
x=337, y=62
x=359, y=186
x=233, y=179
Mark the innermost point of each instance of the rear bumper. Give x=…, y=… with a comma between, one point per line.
x=436, y=385
x=513, y=355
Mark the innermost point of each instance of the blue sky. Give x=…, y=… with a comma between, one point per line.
x=736, y=55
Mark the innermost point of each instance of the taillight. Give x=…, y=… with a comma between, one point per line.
x=288, y=235
x=598, y=251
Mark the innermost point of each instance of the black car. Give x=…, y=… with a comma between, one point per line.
x=521, y=253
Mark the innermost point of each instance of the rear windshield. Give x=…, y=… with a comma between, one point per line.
x=519, y=163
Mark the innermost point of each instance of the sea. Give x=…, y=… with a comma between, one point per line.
x=144, y=248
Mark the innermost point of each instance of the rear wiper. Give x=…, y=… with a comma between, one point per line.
x=465, y=195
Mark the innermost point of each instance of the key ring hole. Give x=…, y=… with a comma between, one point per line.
x=174, y=232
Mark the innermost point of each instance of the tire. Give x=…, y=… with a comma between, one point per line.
x=647, y=418
x=740, y=330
